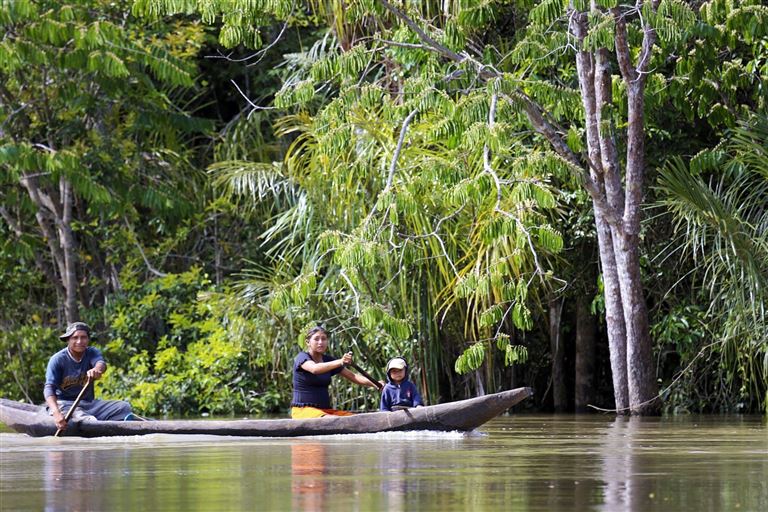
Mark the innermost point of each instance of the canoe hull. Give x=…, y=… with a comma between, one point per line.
x=463, y=415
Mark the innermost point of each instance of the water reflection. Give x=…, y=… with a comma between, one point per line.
x=395, y=470
x=308, y=468
x=622, y=491
x=68, y=479
x=526, y=464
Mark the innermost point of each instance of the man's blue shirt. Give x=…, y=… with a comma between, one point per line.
x=68, y=376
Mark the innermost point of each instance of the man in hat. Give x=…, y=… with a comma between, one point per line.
x=69, y=370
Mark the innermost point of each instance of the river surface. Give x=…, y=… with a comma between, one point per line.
x=518, y=463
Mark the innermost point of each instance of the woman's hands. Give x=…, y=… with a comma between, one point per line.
x=346, y=359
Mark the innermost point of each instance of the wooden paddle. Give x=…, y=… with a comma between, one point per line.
x=74, y=405
x=366, y=375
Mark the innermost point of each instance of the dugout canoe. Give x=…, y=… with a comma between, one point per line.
x=463, y=415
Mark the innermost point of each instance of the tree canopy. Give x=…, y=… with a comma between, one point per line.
x=442, y=180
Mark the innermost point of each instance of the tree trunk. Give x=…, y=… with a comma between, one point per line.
x=559, y=396
x=479, y=383
x=69, y=251
x=585, y=354
x=614, y=317
x=617, y=214
x=592, y=70
x=54, y=217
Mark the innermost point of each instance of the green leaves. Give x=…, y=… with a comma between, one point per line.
x=720, y=216
x=108, y=63
x=475, y=355
x=17, y=11
x=547, y=12
x=375, y=317
x=471, y=359
x=292, y=294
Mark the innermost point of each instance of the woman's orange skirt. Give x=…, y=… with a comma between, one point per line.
x=298, y=413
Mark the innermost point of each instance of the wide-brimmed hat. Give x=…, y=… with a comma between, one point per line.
x=396, y=363
x=75, y=326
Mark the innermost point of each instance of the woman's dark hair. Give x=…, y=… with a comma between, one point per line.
x=316, y=329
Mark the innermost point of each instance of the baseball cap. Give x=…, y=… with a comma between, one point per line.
x=397, y=363
x=75, y=326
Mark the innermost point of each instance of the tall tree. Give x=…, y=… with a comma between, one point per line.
x=88, y=129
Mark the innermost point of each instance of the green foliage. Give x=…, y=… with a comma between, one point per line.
x=718, y=77
x=471, y=358
x=24, y=354
x=722, y=229
x=474, y=356
x=685, y=329
x=442, y=244
x=172, y=353
x=93, y=101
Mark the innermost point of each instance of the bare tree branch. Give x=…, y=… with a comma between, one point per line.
x=396, y=155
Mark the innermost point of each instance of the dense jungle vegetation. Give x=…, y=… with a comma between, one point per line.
x=560, y=194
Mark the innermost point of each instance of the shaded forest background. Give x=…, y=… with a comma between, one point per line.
x=202, y=182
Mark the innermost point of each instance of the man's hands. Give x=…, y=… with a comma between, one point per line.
x=96, y=372
x=58, y=418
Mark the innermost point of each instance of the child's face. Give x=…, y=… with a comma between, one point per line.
x=397, y=374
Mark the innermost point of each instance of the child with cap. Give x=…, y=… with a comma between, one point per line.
x=399, y=391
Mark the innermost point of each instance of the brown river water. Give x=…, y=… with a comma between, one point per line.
x=518, y=463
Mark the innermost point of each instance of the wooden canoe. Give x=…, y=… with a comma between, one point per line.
x=463, y=415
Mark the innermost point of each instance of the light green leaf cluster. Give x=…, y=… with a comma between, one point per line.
x=498, y=227
x=750, y=21
x=548, y=12
x=601, y=31
x=565, y=101
x=108, y=63
x=492, y=316
x=359, y=10
x=293, y=294
x=358, y=254
x=240, y=19
x=515, y=354
x=232, y=35
x=521, y=317
x=297, y=94
x=530, y=192
x=454, y=35
x=17, y=11
x=375, y=317
x=472, y=358
x=478, y=14
x=673, y=21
